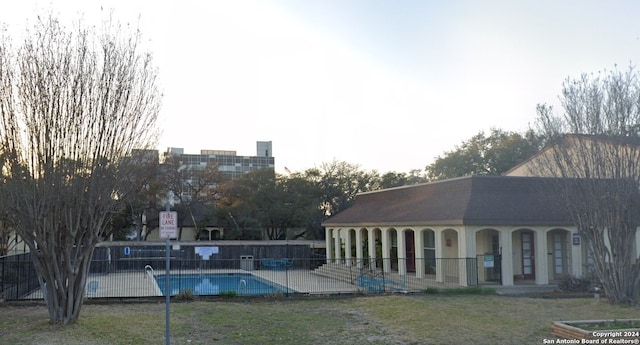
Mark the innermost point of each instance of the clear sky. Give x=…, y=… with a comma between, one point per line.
x=388, y=85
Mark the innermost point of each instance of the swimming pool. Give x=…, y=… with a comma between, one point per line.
x=217, y=283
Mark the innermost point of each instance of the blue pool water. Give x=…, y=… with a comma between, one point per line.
x=215, y=284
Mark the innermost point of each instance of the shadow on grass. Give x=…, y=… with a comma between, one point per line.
x=461, y=291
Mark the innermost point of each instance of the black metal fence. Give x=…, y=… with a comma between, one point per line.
x=490, y=268
x=18, y=277
x=141, y=273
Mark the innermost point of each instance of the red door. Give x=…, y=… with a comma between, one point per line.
x=411, y=251
x=528, y=259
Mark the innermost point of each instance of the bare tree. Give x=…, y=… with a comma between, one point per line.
x=595, y=148
x=74, y=103
x=195, y=188
x=141, y=207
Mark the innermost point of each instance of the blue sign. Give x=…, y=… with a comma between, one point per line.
x=127, y=251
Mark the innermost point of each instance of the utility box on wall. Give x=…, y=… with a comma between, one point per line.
x=246, y=262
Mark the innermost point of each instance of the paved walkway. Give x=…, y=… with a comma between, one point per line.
x=524, y=289
x=125, y=284
x=302, y=281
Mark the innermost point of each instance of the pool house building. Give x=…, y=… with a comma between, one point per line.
x=511, y=229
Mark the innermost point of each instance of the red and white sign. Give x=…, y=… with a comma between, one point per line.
x=168, y=224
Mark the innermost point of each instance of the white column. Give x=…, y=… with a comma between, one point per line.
x=418, y=242
x=462, y=254
x=402, y=252
x=386, y=250
x=541, y=259
x=468, y=252
x=506, y=241
x=337, y=248
x=371, y=235
x=327, y=240
x=439, y=256
x=359, y=254
x=347, y=247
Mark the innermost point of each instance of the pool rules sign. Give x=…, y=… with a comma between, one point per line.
x=168, y=224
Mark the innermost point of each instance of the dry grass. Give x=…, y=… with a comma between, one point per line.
x=485, y=319
x=392, y=319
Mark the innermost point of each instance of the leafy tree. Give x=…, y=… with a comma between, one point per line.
x=249, y=199
x=394, y=179
x=596, y=149
x=277, y=212
x=194, y=188
x=302, y=201
x=485, y=155
x=74, y=103
x=340, y=182
x=278, y=203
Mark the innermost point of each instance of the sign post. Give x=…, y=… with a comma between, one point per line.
x=168, y=230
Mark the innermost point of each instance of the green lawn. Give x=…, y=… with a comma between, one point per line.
x=390, y=319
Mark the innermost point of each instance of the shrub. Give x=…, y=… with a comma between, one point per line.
x=573, y=284
x=431, y=291
x=228, y=294
x=185, y=295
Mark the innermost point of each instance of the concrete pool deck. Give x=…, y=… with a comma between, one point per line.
x=141, y=284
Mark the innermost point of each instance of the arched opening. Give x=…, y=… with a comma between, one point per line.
x=210, y=234
x=364, y=247
x=410, y=250
x=523, y=245
x=353, y=246
x=489, y=256
x=377, y=245
x=429, y=248
x=393, y=255
x=450, y=259
x=559, y=254
x=449, y=243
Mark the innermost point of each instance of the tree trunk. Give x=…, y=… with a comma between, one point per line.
x=62, y=281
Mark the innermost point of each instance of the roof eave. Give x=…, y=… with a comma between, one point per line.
x=452, y=222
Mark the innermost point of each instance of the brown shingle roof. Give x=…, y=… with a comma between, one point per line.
x=476, y=200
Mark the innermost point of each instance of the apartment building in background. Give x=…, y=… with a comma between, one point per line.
x=228, y=162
